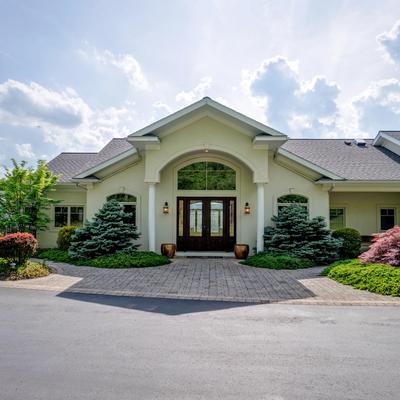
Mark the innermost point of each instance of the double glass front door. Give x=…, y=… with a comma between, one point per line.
x=206, y=224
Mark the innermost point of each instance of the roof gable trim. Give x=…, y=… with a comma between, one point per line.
x=206, y=102
x=105, y=164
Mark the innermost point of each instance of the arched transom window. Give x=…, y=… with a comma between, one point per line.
x=206, y=175
x=289, y=199
x=129, y=203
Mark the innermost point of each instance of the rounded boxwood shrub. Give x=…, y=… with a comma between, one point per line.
x=17, y=247
x=64, y=236
x=351, y=242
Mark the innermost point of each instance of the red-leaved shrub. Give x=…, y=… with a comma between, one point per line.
x=17, y=247
x=385, y=248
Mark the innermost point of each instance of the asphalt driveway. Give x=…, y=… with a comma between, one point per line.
x=80, y=346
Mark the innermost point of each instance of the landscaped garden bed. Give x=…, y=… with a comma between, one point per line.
x=271, y=261
x=138, y=259
x=374, y=277
x=15, y=250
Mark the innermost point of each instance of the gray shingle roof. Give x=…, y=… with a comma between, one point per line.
x=68, y=165
x=349, y=162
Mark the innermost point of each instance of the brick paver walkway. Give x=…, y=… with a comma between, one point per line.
x=206, y=279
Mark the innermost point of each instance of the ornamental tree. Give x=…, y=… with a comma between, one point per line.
x=109, y=232
x=24, y=197
x=296, y=235
x=385, y=248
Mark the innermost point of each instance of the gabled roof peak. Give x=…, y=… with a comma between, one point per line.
x=212, y=108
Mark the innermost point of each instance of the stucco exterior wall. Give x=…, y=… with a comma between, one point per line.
x=283, y=181
x=129, y=181
x=207, y=134
x=69, y=196
x=362, y=209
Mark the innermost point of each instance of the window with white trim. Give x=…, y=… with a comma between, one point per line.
x=129, y=204
x=387, y=218
x=337, y=218
x=68, y=215
x=289, y=199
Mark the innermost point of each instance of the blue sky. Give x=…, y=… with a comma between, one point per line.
x=74, y=74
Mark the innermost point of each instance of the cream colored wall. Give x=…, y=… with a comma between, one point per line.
x=69, y=196
x=206, y=133
x=362, y=209
x=283, y=181
x=130, y=181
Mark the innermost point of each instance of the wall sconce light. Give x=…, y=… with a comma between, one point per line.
x=165, y=208
x=247, y=209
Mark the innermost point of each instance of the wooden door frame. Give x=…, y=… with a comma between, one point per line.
x=227, y=241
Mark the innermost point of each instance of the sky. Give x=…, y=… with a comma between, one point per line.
x=74, y=74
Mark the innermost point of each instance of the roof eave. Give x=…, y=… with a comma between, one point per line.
x=105, y=164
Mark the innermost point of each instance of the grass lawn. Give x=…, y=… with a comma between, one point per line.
x=138, y=259
x=376, y=278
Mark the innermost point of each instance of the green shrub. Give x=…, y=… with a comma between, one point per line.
x=351, y=242
x=130, y=260
x=136, y=259
x=31, y=270
x=107, y=234
x=4, y=267
x=296, y=235
x=272, y=261
x=377, y=278
x=64, y=236
x=54, y=255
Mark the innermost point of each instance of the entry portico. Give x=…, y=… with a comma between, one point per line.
x=208, y=132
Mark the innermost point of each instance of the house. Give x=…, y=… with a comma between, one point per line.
x=206, y=177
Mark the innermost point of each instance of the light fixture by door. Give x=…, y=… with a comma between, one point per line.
x=166, y=208
x=247, y=209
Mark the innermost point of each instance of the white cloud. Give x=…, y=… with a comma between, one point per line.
x=390, y=42
x=24, y=150
x=196, y=93
x=125, y=63
x=296, y=107
x=62, y=119
x=22, y=104
x=378, y=107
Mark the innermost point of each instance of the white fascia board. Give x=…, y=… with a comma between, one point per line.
x=106, y=164
x=308, y=164
x=382, y=135
x=353, y=182
x=206, y=101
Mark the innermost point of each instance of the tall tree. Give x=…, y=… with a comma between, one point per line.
x=24, y=197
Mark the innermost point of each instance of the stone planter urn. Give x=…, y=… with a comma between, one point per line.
x=241, y=251
x=168, y=250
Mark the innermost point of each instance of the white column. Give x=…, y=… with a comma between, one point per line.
x=260, y=216
x=152, y=217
